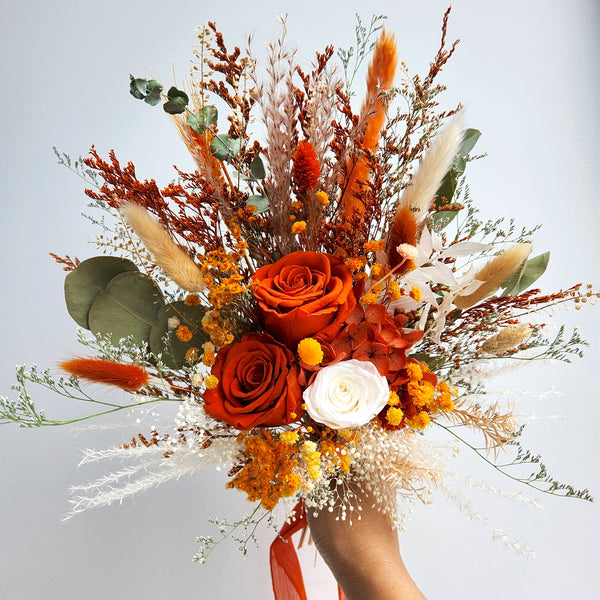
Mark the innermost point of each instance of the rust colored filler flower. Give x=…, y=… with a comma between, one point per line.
x=128, y=377
x=306, y=166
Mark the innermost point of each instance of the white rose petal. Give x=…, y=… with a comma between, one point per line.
x=347, y=394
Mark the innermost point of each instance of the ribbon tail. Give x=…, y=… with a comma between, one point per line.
x=286, y=573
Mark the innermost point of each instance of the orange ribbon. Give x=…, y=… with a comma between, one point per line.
x=286, y=572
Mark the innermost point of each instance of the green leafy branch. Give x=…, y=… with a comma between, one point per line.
x=539, y=479
x=247, y=526
x=23, y=411
x=364, y=46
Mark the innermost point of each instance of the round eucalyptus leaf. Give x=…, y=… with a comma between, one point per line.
x=260, y=203
x=89, y=279
x=127, y=307
x=164, y=340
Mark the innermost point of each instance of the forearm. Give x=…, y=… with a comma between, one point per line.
x=364, y=557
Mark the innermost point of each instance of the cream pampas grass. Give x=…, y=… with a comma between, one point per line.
x=494, y=274
x=507, y=339
x=421, y=192
x=172, y=259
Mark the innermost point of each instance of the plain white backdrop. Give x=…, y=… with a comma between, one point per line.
x=527, y=73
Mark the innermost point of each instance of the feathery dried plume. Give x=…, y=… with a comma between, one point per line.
x=128, y=377
x=380, y=78
x=496, y=426
x=419, y=195
x=277, y=102
x=494, y=274
x=403, y=231
x=507, y=339
x=172, y=259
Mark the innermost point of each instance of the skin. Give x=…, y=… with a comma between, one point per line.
x=364, y=557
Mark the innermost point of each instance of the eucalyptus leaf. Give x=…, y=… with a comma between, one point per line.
x=433, y=362
x=257, y=168
x=447, y=187
x=177, y=101
x=89, y=279
x=154, y=90
x=225, y=147
x=210, y=114
x=441, y=219
x=128, y=306
x=470, y=138
x=197, y=123
x=164, y=340
x=527, y=274
x=137, y=87
x=203, y=119
x=259, y=202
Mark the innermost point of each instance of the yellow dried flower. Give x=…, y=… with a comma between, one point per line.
x=445, y=402
x=421, y=392
x=394, y=290
x=419, y=421
x=298, y=227
x=416, y=293
x=374, y=246
x=369, y=298
x=310, y=351
x=322, y=198
x=288, y=437
x=414, y=371
x=211, y=382
x=377, y=271
x=297, y=205
x=192, y=300
x=356, y=263
x=393, y=399
x=394, y=415
x=183, y=333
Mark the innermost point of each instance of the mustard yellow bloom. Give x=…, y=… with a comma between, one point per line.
x=298, y=227
x=322, y=198
x=394, y=415
x=288, y=437
x=211, y=382
x=310, y=351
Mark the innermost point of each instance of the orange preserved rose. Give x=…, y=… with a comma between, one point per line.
x=303, y=294
x=258, y=384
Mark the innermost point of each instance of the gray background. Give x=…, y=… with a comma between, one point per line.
x=527, y=72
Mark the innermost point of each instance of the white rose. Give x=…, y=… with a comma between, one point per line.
x=346, y=394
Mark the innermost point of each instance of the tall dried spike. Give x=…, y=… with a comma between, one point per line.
x=380, y=77
x=172, y=259
x=419, y=195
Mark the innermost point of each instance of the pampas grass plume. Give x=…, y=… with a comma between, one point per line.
x=172, y=259
x=425, y=183
x=495, y=273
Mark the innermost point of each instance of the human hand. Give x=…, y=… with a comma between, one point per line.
x=364, y=556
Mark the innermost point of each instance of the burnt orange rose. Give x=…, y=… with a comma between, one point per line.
x=303, y=294
x=258, y=384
